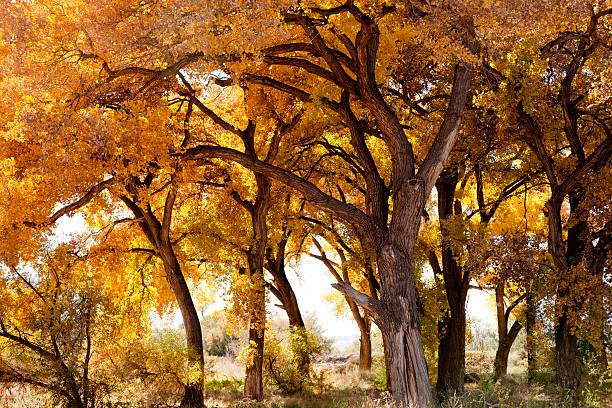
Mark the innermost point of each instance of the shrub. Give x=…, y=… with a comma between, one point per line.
x=287, y=356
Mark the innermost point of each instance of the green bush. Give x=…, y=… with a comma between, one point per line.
x=287, y=358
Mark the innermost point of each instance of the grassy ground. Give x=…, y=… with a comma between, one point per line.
x=343, y=386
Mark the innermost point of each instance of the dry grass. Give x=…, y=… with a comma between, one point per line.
x=343, y=386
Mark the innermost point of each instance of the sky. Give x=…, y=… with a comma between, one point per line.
x=311, y=282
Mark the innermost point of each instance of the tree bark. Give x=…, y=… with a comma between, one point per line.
x=253, y=382
x=404, y=357
x=365, y=348
x=394, y=242
x=506, y=337
x=451, y=330
x=565, y=338
x=530, y=322
x=158, y=235
x=284, y=292
x=193, y=397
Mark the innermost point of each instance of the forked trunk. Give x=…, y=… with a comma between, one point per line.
x=500, y=366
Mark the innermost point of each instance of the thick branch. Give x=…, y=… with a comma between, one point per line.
x=312, y=193
x=447, y=134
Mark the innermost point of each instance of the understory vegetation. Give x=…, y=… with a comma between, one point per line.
x=334, y=380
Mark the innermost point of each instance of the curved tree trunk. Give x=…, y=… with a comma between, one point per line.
x=285, y=294
x=505, y=338
x=158, y=235
x=193, y=397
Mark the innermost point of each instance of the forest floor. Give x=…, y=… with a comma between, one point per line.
x=341, y=385
x=337, y=383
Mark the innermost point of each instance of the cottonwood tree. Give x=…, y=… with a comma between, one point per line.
x=394, y=240
x=548, y=85
x=91, y=72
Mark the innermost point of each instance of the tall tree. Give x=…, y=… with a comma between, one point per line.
x=548, y=78
x=395, y=313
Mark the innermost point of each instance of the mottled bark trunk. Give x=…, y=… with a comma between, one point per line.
x=530, y=322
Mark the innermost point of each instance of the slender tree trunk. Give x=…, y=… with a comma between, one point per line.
x=253, y=383
x=158, y=235
x=365, y=352
x=193, y=397
x=505, y=337
x=284, y=292
x=530, y=322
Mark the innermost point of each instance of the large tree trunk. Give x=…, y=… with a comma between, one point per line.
x=565, y=353
x=404, y=356
x=451, y=353
x=451, y=330
x=565, y=339
x=530, y=322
